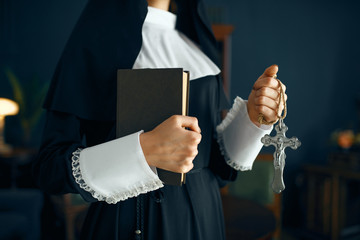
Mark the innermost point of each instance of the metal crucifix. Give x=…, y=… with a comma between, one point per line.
x=280, y=142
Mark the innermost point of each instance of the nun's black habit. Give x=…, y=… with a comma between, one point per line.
x=81, y=113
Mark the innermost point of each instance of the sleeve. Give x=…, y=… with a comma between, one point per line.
x=239, y=138
x=114, y=171
x=99, y=173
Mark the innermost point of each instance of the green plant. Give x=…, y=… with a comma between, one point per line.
x=30, y=96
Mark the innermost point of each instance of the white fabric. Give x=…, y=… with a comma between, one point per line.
x=165, y=47
x=115, y=170
x=239, y=137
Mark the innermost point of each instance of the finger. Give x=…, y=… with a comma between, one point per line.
x=190, y=151
x=266, y=102
x=189, y=122
x=184, y=168
x=270, y=71
x=267, y=92
x=269, y=82
x=269, y=113
x=195, y=138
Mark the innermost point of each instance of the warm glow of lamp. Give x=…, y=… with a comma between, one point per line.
x=7, y=108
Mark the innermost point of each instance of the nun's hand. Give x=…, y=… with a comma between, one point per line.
x=173, y=144
x=264, y=97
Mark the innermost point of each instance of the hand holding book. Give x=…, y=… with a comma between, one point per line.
x=170, y=145
x=146, y=99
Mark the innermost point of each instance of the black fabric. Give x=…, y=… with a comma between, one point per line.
x=191, y=212
x=108, y=37
x=81, y=113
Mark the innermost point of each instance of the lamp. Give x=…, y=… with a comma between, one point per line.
x=7, y=107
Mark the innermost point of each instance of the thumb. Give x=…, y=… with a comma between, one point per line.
x=271, y=71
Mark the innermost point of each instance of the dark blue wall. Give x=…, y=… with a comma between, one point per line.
x=32, y=37
x=316, y=45
x=33, y=34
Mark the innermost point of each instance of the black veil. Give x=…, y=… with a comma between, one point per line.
x=108, y=37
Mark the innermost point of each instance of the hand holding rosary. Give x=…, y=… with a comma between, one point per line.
x=279, y=141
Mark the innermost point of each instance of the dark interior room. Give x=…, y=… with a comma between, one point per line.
x=316, y=45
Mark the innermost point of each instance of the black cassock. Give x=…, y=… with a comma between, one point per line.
x=81, y=113
x=193, y=211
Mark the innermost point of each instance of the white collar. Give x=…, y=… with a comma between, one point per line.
x=165, y=47
x=160, y=18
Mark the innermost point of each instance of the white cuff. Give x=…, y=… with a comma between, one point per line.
x=114, y=171
x=239, y=137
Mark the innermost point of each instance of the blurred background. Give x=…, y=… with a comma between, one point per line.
x=317, y=47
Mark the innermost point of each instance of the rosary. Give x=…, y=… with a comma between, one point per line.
x=280, y=142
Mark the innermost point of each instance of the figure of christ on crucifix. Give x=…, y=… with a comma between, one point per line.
x=280, y=142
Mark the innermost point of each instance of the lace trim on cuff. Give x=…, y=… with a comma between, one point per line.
x=235, y=109
x=136, y=190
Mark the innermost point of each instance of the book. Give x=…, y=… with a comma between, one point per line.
x=146, y=98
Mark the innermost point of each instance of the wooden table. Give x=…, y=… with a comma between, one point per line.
x=327, y=198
